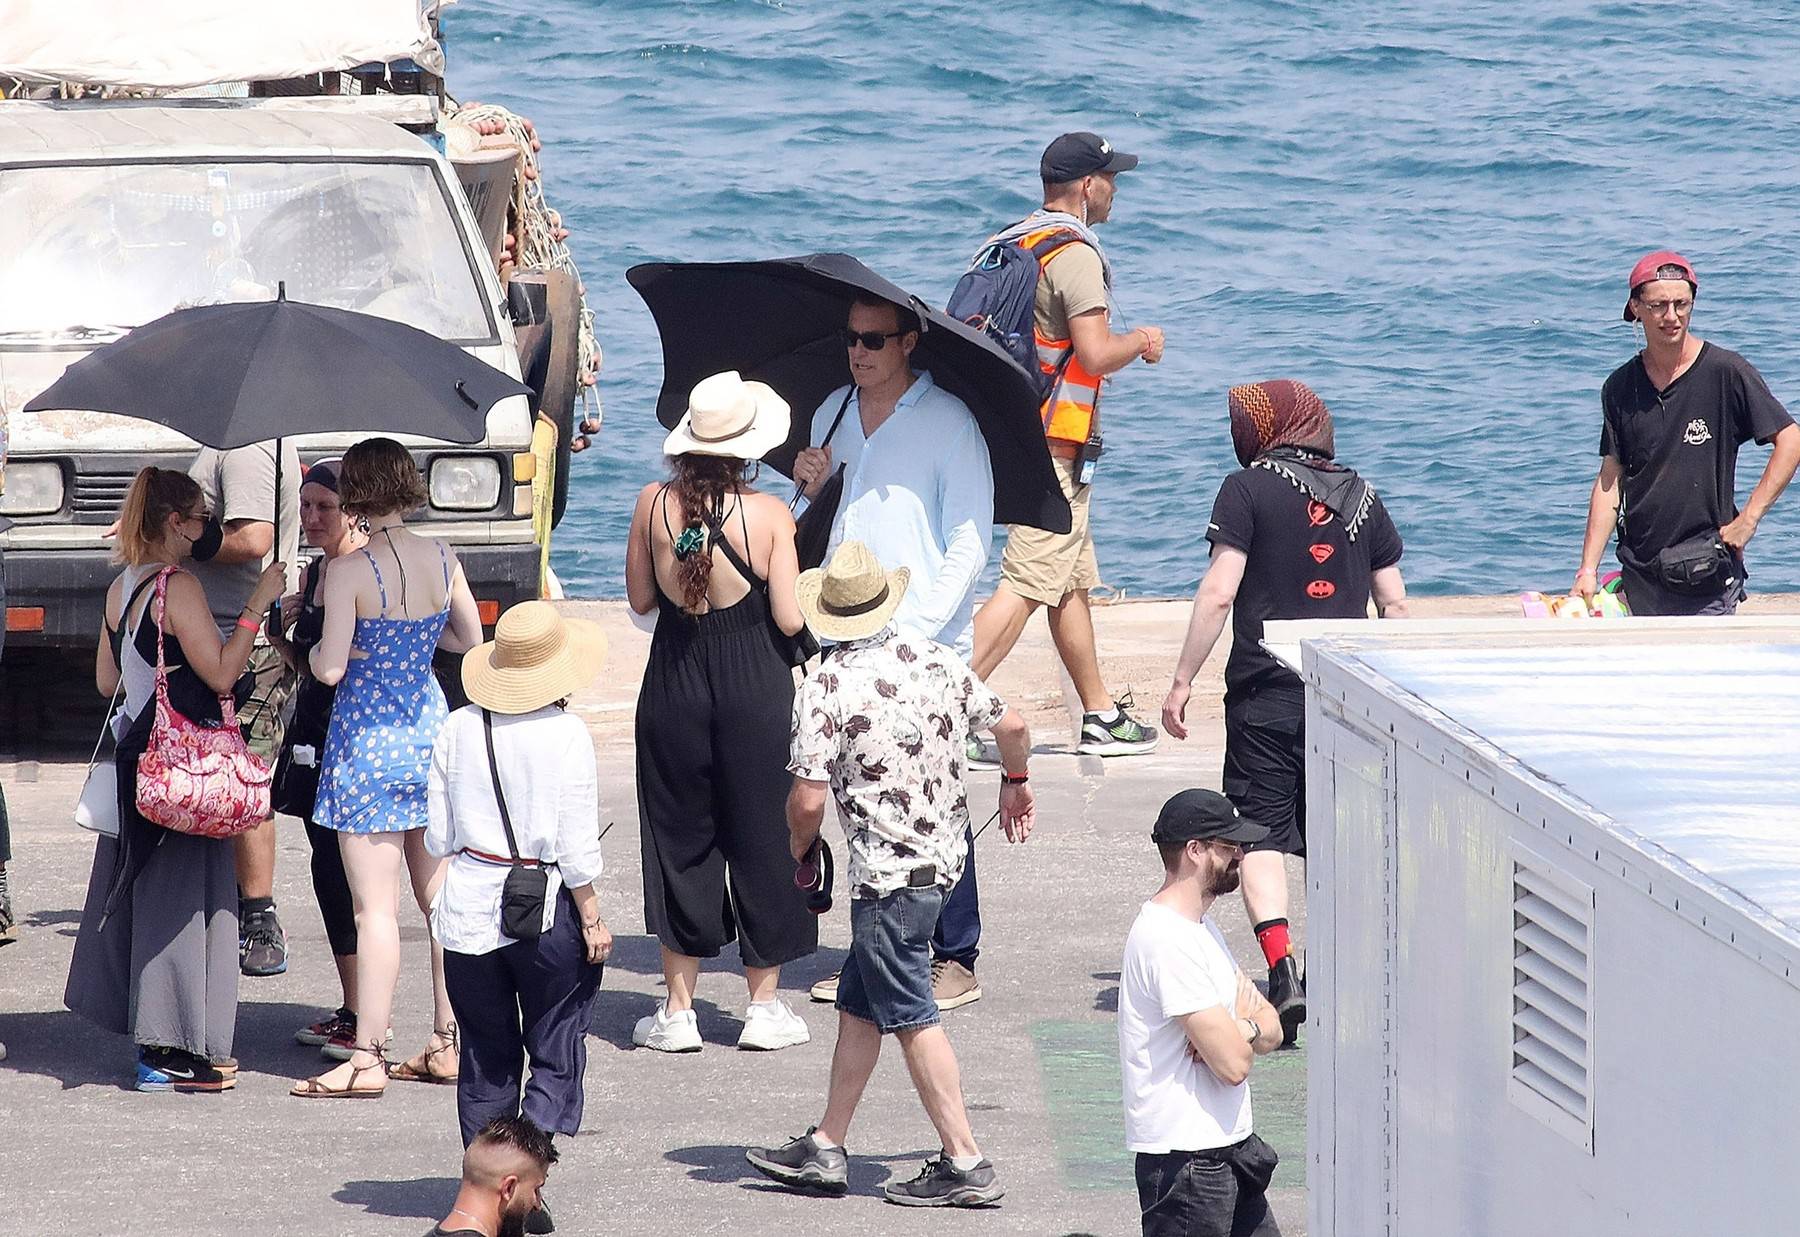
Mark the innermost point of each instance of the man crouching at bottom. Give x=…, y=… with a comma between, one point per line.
x=883, y=721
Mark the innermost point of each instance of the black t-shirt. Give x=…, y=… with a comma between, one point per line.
x=1678, y=448
x=1302, y=565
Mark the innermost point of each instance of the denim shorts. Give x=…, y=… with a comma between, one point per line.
x=887, y=977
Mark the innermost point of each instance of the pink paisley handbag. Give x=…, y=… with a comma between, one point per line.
x=193, y=779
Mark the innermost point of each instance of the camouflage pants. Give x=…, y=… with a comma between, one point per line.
x=263, y=718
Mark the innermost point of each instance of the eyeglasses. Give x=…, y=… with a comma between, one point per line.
x=874, y=341
x=1657, y=309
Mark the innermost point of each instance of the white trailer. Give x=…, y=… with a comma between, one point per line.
x=1554, y=926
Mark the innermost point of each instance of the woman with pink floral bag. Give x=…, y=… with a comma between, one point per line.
x=156, y=957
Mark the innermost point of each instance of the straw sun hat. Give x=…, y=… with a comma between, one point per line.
x=851, y=596
x=730, y=417
x=535, y=658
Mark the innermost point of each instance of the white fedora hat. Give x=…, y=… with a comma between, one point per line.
x=535, y=658
x=851, y=596
x=729, y=416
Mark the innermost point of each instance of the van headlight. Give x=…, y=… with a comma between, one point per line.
x=465, y=482
x=34, y=488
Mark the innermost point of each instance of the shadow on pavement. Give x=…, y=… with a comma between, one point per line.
x=727, y=1166
x=68, y=1048
x=422, y=1198
x=1107, y=999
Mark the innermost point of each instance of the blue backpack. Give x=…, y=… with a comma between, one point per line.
x=996, y=294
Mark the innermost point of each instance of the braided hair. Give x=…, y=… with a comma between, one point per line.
x=700, y=485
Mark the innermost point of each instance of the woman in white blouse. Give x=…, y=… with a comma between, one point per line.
x=522, y=998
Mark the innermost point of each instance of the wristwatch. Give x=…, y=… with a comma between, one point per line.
x=1014, y=779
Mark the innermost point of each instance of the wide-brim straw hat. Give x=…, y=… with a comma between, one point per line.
x=535, y=658
x=851, y=596
x=731, y=417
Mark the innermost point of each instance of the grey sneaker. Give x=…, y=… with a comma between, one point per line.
x=1125, y=737
x=264, y=949
x=801, y=1163
x=941, y=1184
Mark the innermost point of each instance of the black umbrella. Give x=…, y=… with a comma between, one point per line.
x=231, y=375
x=778, y=322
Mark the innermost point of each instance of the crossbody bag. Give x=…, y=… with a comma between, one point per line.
x=527, y=884
x=812, y=530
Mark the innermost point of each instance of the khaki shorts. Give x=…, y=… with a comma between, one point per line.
x=1047, y=567
x=264, y=716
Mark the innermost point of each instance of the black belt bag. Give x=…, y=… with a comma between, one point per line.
x=527, y=885
x=1702, y=564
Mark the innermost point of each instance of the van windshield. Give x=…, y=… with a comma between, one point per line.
x=88, y=251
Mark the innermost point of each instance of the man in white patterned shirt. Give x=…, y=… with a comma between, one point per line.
x=882, y=723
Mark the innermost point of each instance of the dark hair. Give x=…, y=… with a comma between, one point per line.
x=905, y=319
x=154, y=495
x=1171, y=853
x=700, y=485
x=522, y=1134
x=379, y=477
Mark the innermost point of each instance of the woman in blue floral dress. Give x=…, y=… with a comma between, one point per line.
x=387, y=609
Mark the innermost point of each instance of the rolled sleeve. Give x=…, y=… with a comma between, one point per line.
x=578, y=816
x=981, y=705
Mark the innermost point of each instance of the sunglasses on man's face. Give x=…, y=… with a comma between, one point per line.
x=874, y=341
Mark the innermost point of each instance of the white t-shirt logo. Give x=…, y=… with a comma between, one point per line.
x=1696, y=433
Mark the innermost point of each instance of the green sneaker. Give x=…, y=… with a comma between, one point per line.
x=978, y=753
x=1124, y=737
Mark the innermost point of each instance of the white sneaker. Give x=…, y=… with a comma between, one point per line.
x=771, y=1026
x=667, y=1032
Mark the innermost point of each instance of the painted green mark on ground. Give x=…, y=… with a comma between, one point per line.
x=1079, y=1062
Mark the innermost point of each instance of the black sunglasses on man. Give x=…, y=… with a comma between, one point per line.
x=874, y=341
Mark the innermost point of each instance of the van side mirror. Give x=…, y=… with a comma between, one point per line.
x=528, y=304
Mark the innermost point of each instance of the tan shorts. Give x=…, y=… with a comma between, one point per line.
x=263, y=718
x=1047, y=567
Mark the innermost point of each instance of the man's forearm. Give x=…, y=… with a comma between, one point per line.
x=1603, y=517
x=1205, y=625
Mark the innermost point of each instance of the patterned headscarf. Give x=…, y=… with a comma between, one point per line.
x=1282, y=413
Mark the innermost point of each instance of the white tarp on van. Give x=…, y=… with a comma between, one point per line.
x=172, y=44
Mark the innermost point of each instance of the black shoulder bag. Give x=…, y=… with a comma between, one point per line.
x=527, y=883
x=812, y=531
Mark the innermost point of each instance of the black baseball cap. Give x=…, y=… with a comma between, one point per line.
x=1074, y=155
x=1201, y=816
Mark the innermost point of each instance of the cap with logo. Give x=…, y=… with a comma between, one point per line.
x=1645, y=271
x=1204, y=815
x=1074, y=155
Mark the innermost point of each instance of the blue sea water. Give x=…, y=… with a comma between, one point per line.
x=1425, y=211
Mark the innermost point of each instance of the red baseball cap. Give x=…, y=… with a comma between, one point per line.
x=1646, y=269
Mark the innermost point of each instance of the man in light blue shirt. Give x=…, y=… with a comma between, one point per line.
x=919, y=492
x=918, y=487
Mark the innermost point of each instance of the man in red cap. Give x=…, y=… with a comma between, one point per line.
x=1674, y=417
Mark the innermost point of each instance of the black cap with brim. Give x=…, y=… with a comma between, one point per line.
x=1202, y=816
x=1074, y=155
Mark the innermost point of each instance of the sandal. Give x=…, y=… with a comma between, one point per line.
x=314, y=1089
x=419, y=1068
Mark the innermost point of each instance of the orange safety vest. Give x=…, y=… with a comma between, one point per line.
x=1070, y=410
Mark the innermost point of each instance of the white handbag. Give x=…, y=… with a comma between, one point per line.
x=98, y=807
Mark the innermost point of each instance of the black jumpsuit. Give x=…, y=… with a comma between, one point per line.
x=712, y=754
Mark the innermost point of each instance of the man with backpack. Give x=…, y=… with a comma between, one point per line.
x=1072, y=347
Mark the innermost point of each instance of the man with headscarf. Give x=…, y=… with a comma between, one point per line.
x=1295, y=535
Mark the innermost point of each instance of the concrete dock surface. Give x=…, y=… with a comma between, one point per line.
x=661, y=1146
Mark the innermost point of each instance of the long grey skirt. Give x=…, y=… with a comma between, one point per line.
x=164, y=968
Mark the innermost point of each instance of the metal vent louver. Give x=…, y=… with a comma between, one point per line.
x=1552, y=1021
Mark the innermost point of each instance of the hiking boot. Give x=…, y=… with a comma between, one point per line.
x=320, y=1033
x=171, y=1069
x=342, y=1043
x=1287, y=993
x=771, y=1026
x=537, y=1220
x=978, y=753
x=9, y=926
x=802, y=1164
x=667, y=1032
x=953, y=984
x=1124, y=737
x=941, y=1184
x=825, y=991
x=264, y=948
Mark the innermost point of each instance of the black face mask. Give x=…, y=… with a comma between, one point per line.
x=207, y=544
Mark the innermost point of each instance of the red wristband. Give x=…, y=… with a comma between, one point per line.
x=249, y=625
x=1015, y=779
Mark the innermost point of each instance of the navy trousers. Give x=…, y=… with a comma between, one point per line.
x=527, y=999
x=958, y=935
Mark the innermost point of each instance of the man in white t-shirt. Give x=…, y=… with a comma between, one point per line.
x=1190, y=1025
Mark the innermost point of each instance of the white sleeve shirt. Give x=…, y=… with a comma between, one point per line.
x=548, y=770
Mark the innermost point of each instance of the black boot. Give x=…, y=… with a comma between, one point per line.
x=1287, y=993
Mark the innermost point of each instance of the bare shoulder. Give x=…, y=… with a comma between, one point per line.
x=768, y=507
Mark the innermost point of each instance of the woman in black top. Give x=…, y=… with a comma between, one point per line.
x=331, y=532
